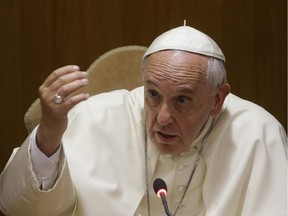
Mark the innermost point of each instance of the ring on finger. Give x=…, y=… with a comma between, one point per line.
x=58, y=99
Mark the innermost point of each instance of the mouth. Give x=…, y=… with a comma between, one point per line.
x=166, y=138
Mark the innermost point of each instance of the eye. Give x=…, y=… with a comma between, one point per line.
x=183, y=100
x=153, y=97
x=153, y=94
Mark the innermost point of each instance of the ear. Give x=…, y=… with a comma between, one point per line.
x=219, y=98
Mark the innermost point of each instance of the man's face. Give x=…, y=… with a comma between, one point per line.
x=178, y=100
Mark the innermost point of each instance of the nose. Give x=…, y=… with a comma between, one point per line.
x=164, y=115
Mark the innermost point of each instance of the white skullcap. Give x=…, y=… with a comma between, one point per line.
x=187, y=39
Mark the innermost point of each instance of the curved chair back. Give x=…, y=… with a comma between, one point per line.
x=116, y=69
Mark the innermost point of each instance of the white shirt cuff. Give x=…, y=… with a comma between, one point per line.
x=46, y=169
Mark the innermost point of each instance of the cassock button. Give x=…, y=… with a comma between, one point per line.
x=181, y=188
x=181, y=167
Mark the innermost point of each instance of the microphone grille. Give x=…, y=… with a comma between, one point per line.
x=159, y=184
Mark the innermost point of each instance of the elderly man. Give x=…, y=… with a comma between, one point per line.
x=219, y=154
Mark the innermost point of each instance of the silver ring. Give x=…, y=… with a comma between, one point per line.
x=58, y=99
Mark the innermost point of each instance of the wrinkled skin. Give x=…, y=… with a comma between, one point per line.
x=178, y=99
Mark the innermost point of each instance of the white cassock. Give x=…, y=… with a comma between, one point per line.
x=242, y=170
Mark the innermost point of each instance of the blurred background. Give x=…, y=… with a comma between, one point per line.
x=38, y=36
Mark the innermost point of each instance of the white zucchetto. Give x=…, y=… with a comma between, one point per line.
x=187, y=39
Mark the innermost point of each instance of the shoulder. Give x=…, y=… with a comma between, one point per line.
x=112, y=111
x=133, y=99
x=246, y=111
x=245, y=121
x=244, y=129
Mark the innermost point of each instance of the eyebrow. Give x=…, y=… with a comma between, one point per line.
x=149, y=82
x=182, y=89
x=186, y=90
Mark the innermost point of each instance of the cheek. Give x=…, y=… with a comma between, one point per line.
x=192, y=124
x=149, y=115
x=190, y=131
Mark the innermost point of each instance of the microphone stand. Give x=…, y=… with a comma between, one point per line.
x=164, y=201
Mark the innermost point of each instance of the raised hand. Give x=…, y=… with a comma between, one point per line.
x=56, y=96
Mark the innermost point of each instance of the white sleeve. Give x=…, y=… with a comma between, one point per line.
x=46, y=169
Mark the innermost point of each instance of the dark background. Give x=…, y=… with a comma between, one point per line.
x=38, y=36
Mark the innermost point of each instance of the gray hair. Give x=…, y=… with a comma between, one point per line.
x=216, y=73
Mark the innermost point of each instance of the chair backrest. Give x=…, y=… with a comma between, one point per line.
x=117, y=69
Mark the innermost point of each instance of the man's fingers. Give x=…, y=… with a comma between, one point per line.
x=55, y=75
x=65, y=90
x=66, y=84
x=65, y=81
x=72, y=101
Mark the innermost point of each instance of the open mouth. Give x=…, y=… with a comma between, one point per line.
x=165, y=137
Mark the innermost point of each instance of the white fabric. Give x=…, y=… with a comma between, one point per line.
x=187, y=39
x=46, y=169
x=242, y=169
x=20, y=193
x=175, y=171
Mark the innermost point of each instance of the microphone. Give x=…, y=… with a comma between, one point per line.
x=160, y=189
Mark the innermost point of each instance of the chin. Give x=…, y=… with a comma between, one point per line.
x=167, y=149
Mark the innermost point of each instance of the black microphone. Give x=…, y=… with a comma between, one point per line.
x=160, y=189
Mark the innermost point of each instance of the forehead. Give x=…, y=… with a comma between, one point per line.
x=176, y=66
